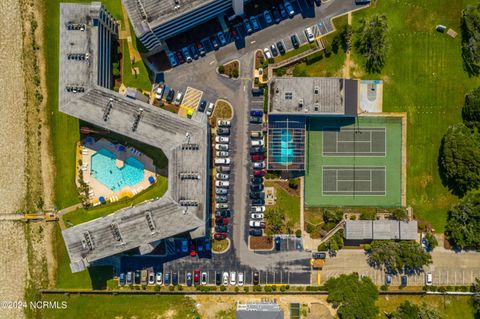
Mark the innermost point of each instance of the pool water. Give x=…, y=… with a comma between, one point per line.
x=286, y=155
x=104, y=169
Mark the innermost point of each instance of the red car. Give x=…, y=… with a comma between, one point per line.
x=257, y=157
x=258, y=172
x=221, y=221
x=193, y=253
x=220, y=236
x=196, y=276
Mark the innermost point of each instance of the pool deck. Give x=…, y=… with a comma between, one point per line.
x=85, y=152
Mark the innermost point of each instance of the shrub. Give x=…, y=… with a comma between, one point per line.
x=157, y=288
x=237, y=289
x=246, y=289
x=353, y=217
x=257, y=80
x=298, y=233
x=221, y=69
x=293, y=183
x=367, y=247
x=310, y=228
x=235, y=73
x=223, y=288
x=281, y=71
x=171, y=288
x=257, y=288
x=384, y=287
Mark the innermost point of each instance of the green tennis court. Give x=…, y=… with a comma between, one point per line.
x=354, y=162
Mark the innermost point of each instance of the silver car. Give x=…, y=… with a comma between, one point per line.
x=222, y=176
x=222, y=153
x=221, y=147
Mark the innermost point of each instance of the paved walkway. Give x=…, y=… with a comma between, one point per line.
x=64, y=211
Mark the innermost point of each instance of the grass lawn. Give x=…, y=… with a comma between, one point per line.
x=449, y=306
x=82, y=215
x=287, y=203
x=140, y=81
x=121, y=306
x=295, y=52
x=424, y=77
x=222, y=110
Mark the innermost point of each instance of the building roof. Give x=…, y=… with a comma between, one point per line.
x=147, y=14
x=259, y=311
x=184, y=142
x=380, y=230
x=313, y=96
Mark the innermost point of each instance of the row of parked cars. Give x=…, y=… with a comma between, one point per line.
x=256, y=195
x=222, y=179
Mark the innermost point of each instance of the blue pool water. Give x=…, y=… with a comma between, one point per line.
x=104, y=169
x=286, y=154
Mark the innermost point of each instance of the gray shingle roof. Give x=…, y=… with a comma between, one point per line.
x=380, y=230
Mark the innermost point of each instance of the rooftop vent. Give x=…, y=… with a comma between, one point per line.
x=300, y=103
x=188, y=202
x=190, y=146
x=316, y=106
x=115, y=231
x=108, y=108
x=316, y=90
x=88, y=241
x=76, y=26
x=150, y=222
x=138, y=116
x=189, y=175
x=288, y=95
x=74, y=88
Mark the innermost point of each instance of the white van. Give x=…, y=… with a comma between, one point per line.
x=309, y=34
x=257, y=143
x=222, y=161
x=178, y=98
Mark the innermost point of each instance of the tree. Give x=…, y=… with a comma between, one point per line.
x=471, y=109
x=398, y=256
x=275, y=219
x=460, y=158
x=293, y=183
x=463, y=222
x=431, y=241
x=353, y=297
x=399, y=214
x=221, y=69
x=476, y=297
x=408, y=310
x=470, y=25
x=372, y=42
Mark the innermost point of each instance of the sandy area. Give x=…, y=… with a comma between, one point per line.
x=13, y=257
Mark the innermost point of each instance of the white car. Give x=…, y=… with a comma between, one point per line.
x=221, y=191
x=151, y=278
x=178, y=99
x=222, y=161
x=159, y=278
x=240, y=278
x=221, y=147
x=428, y=279
x=256, y=224
x=159, y=93
x=210, y=108
x=309, y=34
x=221, y=206
x=204, y=278
x=225, y=278
x=257, y=215
x=259, y=165
x=233, y=278
x=222, y=139
x=257, y=143
x=224, y=123
x=222, y=176
x=258, y=209
x=222, y=153
x=268, y=54
x=222, y=183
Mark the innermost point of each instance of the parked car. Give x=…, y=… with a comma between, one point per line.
x=208, y=244
x=257, y=215
x=289, y=8
x=388, y=280
x=189, y=279
x=254, y=22
x=179, y=57
x=224, y=123
x=166, y=279
x=222, y=176
x=276, y=14
x=240, y=279
x=172, y=59
x=280, y=47
x=223, y=169
x=196, y=276
x=221, y=221
x=255, y=232
x=159, y=278
x=257, y=157
x=184, y=246
x=222, y=161
x=233, y=278
x=221, y=206
x=121, y=279
x=278, y=243
x=256, y=134
x=194, y=51
x=257, y=209
x=159, y=92
x=178, y=98
x=257, y=195
x=193, y=250
x=256, y=120
x=295, y=41
x=222, y=154
x=223, y=213
x=267, y=16
x=223, y=131
x=404, y=280
x=258, y=165
x=222, y=183
x=257, y=150
x=258, y=172
x=219, y=236
x=309, y=34
x=204, y=279
x=137, y=277
x=258, y=202
x=267, y=54
x=210, y=108
x=257, y=143
x=175, y=279
x=428, y=279
x=221, y=199
x=129, y=278
x=225, y=278
x=256, y=180
x=200, y=48
x=170, y=95
x=221, y=37
x=221, y=191
x=274, y=50
x=221, y=147
x=256, y=278
x=256, y=224
x=256, y=187
x=202, y=106
x=256, y=113
x=214, y=42
x=283, y=12
x=187, y=55
x=222, y=139
x=247, y=25
x=218, y=278
x=221, y=229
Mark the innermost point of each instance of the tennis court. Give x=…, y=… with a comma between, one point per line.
x=354, y=141
x=354, y=162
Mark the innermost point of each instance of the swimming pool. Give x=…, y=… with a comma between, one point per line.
x=286, y=154
x=105, y=170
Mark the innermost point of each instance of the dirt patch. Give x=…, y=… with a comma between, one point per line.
x=318, y=311
x=261, y=242
x=284, y=185
x=231, y=69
